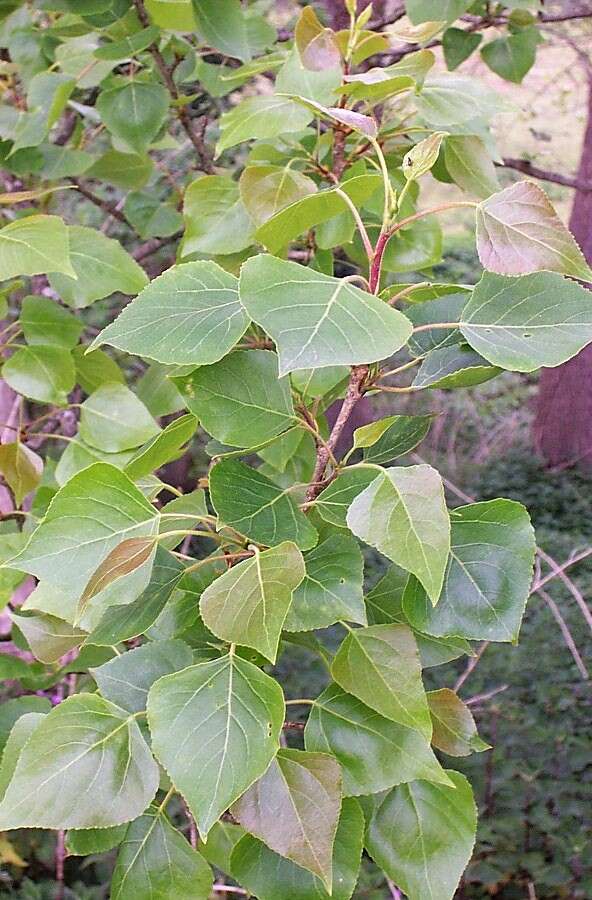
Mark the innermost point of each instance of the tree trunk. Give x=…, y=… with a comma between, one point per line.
x=563, y=423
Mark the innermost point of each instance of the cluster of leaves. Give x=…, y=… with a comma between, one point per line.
x=172, y=611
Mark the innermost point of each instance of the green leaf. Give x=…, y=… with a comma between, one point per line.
x=261, y=117
x=125, y=170
x=124, y=559
x=246, y=500
x=422, y=836
x=333, y=503
x=307, y=788
x=487, y=579
x=93, y=513
x=389, y=438
x=304, y=214
x=524, y=323
x=453, y=367
x=295, y=78
x=113, y=419
x=317, y=320
x=518, y=232
x=125, y=680
x=511, y=57
x=374, y=752
x=332, y=587
x=78, y=456
x=43, y=373
x=469, y=164
x=82, y=742
x=249, y=603
x=265, y=190
x=385, y=605
x=155, y=862
x=414, y=248
x=455, y=732
x=121, y=623
x=63, y=162
x=12, y=710
x=34, y=245
x=45, y=322
x=240, y=401
x=444, y=309
x=429, y=10
x=420, y=159
x=190, y=315
x=164, y=447
x=272, y=877
x=458, y=45
x=48, y=637
x=157, y=392
x=88, y=841
x=21, y=469
x=380, y=666
x=454, y=100
x=380, y=83
x=215, y=728
x=150, y=216
x=102, y=267
x=403, y=514
x=21, y=731
x=128, y=46
x=95, y=369
x=216, y=221
x=134, y=112
x=223, y=25
x=176, y=15
x=182, y=514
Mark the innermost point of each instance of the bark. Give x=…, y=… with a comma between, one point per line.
x=563, y=422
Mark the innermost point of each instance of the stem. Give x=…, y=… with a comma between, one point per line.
x=443, y=207
x=302, y=701
x=358, y=219
x=355, y=392
x=386, y=181
x=430, y=325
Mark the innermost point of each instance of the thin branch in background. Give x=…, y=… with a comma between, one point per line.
x=194, y=131
x=110, y=208
x=487, y=695
x=153, y=245
x=567, y=635
x=571, y=587
x=527, y=168
x=470, y=666
x=60, y=856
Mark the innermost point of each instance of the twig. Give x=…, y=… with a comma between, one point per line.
x=153, y=245
x=567, y=635
x=229, y=889
x=527, y=168
x=470, y=666
x=110, y=208
x=481, y=698
x=196, y=137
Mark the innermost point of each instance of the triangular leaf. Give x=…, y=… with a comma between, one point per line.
x=317, y=320
x=84, y=741
x=380, y=665
x=375, y=753
x=307, y=788
x=249, y=603
x=215, y=728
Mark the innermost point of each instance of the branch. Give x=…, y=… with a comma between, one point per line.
x=153, y=245
x=196, y=137
x=523, y=165
x=355, y=392
x=110, y=208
